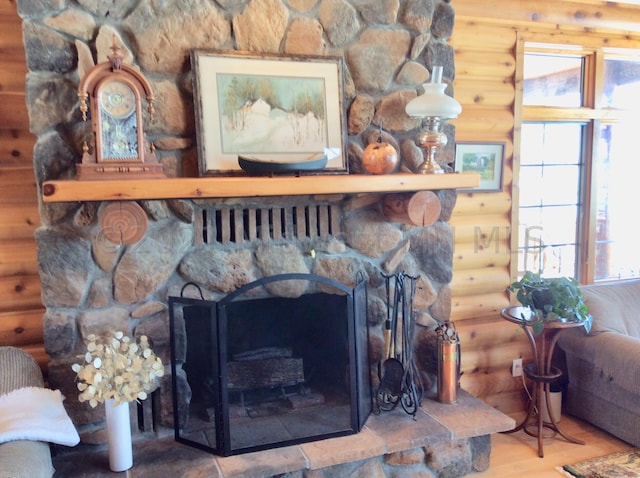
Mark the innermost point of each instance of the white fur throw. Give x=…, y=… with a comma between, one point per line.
x=34, y=413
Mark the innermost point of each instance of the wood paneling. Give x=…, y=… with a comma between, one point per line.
x=13, y=78
x=479, y=204
x=21, y=328
x=488, y=92
x=13, y=111
x=470, y=32
x=20, y=292
x=484, y=41
x=484, y=65
x=18, y=257
x=484, y=85
x=16, y=148
x=21, y=308
x=8, y=8
x=18, y=221
x=476, y=256
x=17, y=185
x=576, y=16
x=473, y=306
x=11, y=47
x=485, y=227
x=479, y=281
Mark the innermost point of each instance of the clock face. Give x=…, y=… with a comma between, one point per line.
x=118, y=121
x=117, y=99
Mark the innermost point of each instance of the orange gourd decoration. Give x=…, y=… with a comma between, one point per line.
x=379, y=157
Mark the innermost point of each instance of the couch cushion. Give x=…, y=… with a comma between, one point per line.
x=614, y=358
x=614, y=307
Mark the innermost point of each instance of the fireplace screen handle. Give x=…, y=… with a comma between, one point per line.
x=194, y=285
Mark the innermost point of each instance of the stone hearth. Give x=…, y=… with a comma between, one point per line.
x=445, y=440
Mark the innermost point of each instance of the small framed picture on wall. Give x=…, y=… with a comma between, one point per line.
x=486, y=159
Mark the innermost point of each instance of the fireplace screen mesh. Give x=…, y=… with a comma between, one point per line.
x=251, y=373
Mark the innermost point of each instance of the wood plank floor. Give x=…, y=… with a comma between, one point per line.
x=516, y=454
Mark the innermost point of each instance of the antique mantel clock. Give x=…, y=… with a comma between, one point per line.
x=120, y=149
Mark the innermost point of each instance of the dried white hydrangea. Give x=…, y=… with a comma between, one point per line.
x=115, y=367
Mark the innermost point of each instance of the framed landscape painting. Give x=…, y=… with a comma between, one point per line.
x=275, y=111
x=486, y=159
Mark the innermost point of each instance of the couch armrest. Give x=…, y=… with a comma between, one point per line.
x=614, y=355
x=22, y=458
x=18, y=369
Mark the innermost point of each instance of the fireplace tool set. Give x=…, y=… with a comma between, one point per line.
x=400, y=381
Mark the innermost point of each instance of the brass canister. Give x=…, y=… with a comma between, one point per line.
x=448, y=363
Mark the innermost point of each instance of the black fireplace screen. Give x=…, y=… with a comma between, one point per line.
x=252, y=373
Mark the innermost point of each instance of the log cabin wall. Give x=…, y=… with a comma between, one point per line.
x=485, y=43
x=21, y=309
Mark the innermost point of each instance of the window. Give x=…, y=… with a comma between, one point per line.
x=550, y=176
x=578, y=163
x=552, y=80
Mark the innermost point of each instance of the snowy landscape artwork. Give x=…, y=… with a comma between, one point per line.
x=272, y=109
x=267, y=114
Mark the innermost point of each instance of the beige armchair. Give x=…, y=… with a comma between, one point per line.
x=22, y=458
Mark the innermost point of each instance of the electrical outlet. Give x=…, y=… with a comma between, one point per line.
x=516, y=367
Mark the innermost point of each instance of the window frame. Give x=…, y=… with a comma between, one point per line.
x=591, y=113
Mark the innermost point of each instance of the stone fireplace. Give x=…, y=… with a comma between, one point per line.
x=92, y=285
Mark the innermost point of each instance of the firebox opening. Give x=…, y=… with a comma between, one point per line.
x=269, y=372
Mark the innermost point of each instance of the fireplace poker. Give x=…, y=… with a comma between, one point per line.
x=412, y=391
x=400, y=382
x=390, y=387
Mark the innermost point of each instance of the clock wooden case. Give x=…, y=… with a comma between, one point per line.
x=120, y=150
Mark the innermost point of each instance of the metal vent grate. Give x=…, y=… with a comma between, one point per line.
x=238, y=225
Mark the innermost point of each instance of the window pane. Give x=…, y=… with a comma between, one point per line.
x=550, y=178
x=548, y=240
x=546, y=258
x=550, y=163
x=617, y=233
x=551, y=143
x=551, y=225
x=559, y=183
x=621, y=84
x=552, y=80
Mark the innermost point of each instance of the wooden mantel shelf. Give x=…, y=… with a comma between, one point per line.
x=249, y=186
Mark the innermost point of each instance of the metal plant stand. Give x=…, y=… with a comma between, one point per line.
x=541, y=372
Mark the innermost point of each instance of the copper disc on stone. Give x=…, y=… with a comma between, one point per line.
x=123, y=222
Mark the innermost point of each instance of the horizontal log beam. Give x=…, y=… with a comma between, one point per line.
x=249, y=186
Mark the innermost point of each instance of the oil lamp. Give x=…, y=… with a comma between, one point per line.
x=434, y=107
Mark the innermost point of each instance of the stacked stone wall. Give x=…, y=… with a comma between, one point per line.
x=91, y=285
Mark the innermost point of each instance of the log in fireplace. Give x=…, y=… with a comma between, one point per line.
x=265, y=371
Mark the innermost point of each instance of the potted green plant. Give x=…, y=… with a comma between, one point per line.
x=551, y=298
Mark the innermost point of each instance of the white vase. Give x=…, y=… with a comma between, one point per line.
x=119, y=435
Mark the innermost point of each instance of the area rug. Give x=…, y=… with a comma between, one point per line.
x=624, y=464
